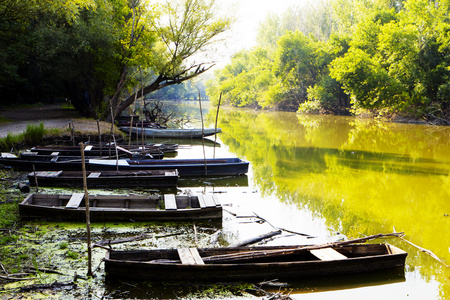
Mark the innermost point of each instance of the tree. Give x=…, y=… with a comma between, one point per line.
x=34, y=44
x=185, y=29
x=295, y=66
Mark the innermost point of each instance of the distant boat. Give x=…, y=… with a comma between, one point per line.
x=36, y=156
x=94, y=150
x=104, y=208
x=178, y=133
x=185, y=167
x=106, y=179
x=252, y=264
x=31, y=161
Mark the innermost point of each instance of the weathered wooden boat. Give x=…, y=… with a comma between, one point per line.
x=252, y=263
x=105, y=208
x=25, y=164
x=106, y=179
x=30, y=162
x=36, y=156
x=94, y=150
x=185, y=167
x=181, y=133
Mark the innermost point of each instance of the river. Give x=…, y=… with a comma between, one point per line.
x=332, y=177
x=326, y=177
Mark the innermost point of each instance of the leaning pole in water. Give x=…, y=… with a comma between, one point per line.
x=88, y=219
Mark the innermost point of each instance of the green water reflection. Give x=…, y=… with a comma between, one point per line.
x=361, y=176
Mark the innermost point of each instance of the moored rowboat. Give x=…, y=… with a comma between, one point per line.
x=95, y=150
x=185, y=167
x=176, y=133
x=106, y=179
x=252, y=263
x=120, y=207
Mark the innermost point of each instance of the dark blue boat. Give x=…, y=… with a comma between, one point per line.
x=185, y=167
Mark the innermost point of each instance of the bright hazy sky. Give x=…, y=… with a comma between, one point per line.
x=250, y=13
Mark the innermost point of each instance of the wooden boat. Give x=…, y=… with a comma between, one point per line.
x=25, y=164
x=185, y=167
x=252, y=263
x=181, y=133
x=106, y=179
x=94, y=150
x=30, y=162
x=105, y=208
x=36, y=156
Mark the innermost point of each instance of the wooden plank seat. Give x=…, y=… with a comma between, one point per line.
x=94, y=175
x=75, y=200
x=49, y=173
x=201, y=201
x=327, y=254
x=190, y=256
x=170, y=202
x=207, y=200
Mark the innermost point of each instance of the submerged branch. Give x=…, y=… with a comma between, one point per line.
x=427, y=252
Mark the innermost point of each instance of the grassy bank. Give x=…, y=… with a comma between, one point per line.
x=33, y=135
x=39, y=135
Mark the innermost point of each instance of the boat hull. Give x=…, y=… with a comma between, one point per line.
x=186, y=167
x=106, y=208
x=137, y=265
x=193, y=133
x=106, y=179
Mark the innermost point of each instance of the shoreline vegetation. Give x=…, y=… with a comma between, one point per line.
x=384, y=59
x=38, y=134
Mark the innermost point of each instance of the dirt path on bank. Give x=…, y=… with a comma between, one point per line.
x=52, y=115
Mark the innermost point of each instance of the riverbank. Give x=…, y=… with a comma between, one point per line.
x=71, y=127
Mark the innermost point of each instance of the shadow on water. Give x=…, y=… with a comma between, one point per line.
x=225, y=181
x=315, y=160
x=190, y=289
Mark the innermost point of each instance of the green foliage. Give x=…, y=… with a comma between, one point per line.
x=72, y=254
x=245, y=81
x=91, y=51
x=63, y=245
x=387, y=56
x=33, y=135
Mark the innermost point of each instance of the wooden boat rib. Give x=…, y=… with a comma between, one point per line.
x=106, y=179
x=252, y=263
x=105, y=208
x=186, y=133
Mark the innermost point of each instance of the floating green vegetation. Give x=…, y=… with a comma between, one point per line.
x=72, y=254
x=63, y=245
x=221, y=291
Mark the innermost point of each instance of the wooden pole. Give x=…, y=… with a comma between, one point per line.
x=72, y=133
x=215, y=127
x=99, y=136
x=203, y=132
x=88, y=219
x=142, y=110
x=132, y=117
x=114, y=139
x=35, y=179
